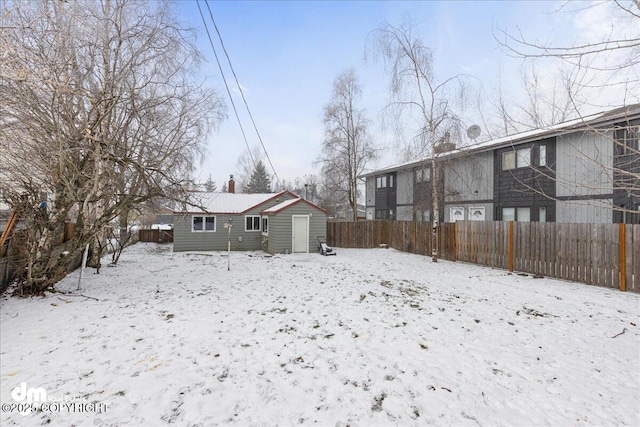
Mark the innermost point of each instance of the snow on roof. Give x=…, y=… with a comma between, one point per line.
x=282, y=205
x=230, y=203
x=631, y=111
x=277, y=208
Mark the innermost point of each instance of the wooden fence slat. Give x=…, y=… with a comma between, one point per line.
x=635, y=261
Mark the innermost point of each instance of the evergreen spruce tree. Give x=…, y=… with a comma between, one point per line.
x=259, y=181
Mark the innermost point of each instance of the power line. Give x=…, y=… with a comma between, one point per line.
x=244, y=136
x=241, y=91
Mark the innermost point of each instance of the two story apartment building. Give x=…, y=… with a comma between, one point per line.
x=586, y=170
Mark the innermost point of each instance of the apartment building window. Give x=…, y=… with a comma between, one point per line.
x=421, y=215
x=516, y=214
x=423, y=175
x=542, y=155
x=381, y=181
x=508, y=214
x=513, y=159
x=542, y=214
x=523, y=214
x=508, y=160
x=523, y=158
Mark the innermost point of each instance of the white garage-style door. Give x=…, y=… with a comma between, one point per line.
x=300, y=231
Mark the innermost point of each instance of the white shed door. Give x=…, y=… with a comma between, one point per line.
x=300, y=233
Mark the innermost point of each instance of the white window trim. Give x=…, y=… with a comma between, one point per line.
x=474, y=209
x=252, y=222
x=204, y=230
x=264, y=232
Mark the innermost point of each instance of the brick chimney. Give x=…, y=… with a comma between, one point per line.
x=232, y=185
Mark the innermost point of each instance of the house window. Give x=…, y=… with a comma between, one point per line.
x=523, y=158
x=390, y=181
x=252, y=223
x=423, y=175
x=381, y=214
x=542, y=155
x=265, y=225
x=381, y=182
x=203, y=223
x=508, y=160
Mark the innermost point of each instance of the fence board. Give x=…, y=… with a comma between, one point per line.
x=157, y=236
x=633, y=251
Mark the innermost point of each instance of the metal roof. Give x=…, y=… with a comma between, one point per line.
x=230, y=203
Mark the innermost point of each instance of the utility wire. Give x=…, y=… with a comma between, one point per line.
x=244, y=136
x=241, y=92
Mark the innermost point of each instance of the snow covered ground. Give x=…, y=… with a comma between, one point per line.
x=368, y=337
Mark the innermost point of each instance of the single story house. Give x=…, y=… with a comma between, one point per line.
x=278, y=223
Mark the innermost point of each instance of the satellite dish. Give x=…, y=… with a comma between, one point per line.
x=473, y=132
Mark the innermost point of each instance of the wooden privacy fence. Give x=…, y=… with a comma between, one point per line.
x=155, y=236
x=605, y=255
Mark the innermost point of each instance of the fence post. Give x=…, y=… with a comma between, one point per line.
x=455, y=241
x=510, y=245
x=623, y=258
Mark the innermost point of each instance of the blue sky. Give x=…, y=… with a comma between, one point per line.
x=287, y=54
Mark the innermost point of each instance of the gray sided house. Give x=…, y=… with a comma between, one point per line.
x=204, y=229
x=293, y=226
x=582, y=171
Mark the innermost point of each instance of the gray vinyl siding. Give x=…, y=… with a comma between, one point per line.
x=405, y=213
x=584, y=211
x=371, y=191
x=404, y=192
x=280, y=232
x=584, y=163
x=464, y=176
x=186, y=240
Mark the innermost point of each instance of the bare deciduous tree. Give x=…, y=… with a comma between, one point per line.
x=347, y=146
x=101, y=114
x=596, y=72
x=422, y=103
